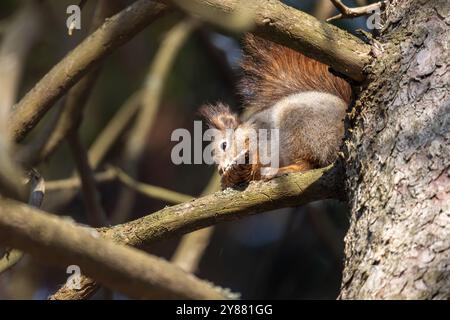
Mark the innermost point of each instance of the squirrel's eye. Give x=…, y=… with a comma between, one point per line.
x=223, y=145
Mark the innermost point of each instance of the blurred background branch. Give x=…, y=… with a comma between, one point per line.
x=151, y=98
x=59, y=242
x=75, y=102
x=114, y=33
x=278, y=22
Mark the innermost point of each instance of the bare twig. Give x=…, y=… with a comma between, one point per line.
x=118, y=267
x=82, y=3
x=152, y=92
x=113, y=33
x=349, y=13
x=113, y=173
x=286, y=191
x=68, y=127
x=95, y=213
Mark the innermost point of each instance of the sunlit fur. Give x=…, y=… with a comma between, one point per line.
x=281, y=89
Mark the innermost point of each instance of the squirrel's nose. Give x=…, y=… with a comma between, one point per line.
x=220, y=170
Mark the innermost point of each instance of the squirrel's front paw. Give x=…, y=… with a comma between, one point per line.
x=235, y=175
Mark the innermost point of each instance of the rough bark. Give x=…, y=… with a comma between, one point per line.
x=398, y=245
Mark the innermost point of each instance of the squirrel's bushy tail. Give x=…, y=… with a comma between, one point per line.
x=272, y=72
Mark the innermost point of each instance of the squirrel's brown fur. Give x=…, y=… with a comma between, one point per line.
x=272, y=72
x=219, y=116
x=285, y=90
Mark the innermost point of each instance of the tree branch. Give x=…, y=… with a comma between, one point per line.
x=77, y=97
x=118, y=267
x=346, y=12
x=149, y=190
x=113, y=33
x=113, y=173
x=286, y=191
x=324, y=42
x=95, y=213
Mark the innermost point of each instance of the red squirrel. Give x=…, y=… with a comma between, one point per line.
x=285, y=90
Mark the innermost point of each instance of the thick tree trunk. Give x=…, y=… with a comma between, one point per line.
x=397, y=162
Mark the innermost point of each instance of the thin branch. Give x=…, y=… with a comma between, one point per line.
x=350, y=13
x=74, y=183
x=113, y=33
x=151, y=98
x=287, y=191
x=95, y=213
x=118, y=267
x=113, y=173
x=149, y=190
x=285, y=25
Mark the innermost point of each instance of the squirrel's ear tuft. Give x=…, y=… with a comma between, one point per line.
x=219, y=116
